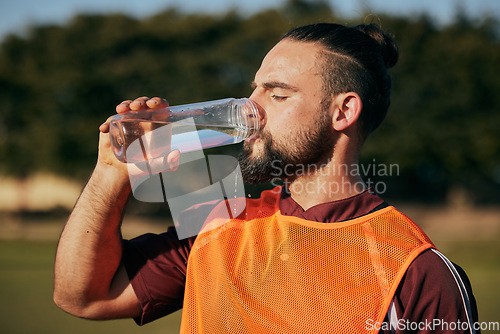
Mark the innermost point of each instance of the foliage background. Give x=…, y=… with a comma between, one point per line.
x=59, y=83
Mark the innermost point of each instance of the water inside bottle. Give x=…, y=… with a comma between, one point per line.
x=138, y=140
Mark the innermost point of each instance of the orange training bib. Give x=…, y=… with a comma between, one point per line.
x=268, y=273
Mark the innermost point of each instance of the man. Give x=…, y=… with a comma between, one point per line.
x=301, y=259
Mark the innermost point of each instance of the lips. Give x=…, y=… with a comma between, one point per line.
x=252, y=138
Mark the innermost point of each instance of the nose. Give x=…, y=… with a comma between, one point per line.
x=255, y=97
x=260, y=113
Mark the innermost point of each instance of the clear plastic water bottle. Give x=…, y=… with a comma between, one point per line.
x=152, y=134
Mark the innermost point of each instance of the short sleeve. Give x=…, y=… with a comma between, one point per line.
x=156, y=265
x=435, y=291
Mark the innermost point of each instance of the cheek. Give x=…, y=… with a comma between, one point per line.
x=284, y=120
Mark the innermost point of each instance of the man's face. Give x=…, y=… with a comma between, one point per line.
x=298, y=126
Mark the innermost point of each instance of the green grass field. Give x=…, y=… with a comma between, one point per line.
x=26, y=304
x=481, y=262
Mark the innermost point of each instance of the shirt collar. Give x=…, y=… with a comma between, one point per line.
x=335, y=211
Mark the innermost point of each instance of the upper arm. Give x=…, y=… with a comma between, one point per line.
x=430, y=290
x=149, y=282
x=156, y=266
x=121, y=302
x=123, y=296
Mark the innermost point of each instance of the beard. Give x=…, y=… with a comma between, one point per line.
x=283, y=159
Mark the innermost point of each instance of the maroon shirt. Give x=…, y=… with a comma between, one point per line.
x=157, y=265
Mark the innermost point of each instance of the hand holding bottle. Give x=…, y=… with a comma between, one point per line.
x=140, y=105
x=148, y=129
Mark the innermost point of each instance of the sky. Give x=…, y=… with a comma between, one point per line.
x=16, y=15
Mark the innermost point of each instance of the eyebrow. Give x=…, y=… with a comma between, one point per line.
x=275, y=84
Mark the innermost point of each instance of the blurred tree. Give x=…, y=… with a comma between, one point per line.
x=59, y=83
x=441, y=126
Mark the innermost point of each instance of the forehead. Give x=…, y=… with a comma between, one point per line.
x=290, y=61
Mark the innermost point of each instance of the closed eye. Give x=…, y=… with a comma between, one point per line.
x=279, y=98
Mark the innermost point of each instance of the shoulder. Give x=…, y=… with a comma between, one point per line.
x=435, y=288
x=432, y=266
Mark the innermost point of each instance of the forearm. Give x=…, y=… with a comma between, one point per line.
x=90, y=248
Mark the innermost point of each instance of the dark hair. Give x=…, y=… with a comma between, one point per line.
x=356, y=60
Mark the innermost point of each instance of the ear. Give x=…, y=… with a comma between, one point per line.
x=347, y=110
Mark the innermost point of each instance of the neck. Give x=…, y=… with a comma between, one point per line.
x=334, y=180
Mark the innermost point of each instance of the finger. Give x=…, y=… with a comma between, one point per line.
x=173, y=160
x=104, y=127
x=123, y=107
x=139, y=103
x=157, y=102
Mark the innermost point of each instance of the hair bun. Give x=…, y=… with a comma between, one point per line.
x=388, y=46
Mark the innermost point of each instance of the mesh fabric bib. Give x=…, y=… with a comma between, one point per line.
x=269, y=273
